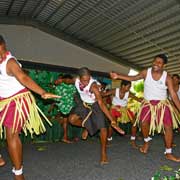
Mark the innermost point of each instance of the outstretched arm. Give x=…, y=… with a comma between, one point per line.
x=172, y=92
x=135, y=97
x=13, y=69
x=139, y=76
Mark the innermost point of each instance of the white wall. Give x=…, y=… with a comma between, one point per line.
x=28, y=43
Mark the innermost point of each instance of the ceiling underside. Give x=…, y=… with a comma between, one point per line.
x=131, y=32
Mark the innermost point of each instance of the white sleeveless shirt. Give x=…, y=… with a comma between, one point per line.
x=9, y=85
x=85, y=94
x=155, y=90
x=116, y=101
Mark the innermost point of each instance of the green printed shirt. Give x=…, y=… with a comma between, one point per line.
x=66, y=102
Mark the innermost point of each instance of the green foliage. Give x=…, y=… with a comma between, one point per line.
x=139, y=87
x=158, y=175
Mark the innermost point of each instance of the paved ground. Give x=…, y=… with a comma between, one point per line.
x=80, y=161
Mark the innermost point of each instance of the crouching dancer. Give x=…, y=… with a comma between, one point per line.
x=91, y=112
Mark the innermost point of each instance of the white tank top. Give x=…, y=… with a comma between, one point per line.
x=9, y=85
x=116, y=101
x=85, y=94
x=155, y=90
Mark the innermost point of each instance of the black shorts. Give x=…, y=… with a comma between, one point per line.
x=93, y=119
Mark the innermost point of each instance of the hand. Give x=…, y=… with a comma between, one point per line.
x=113, y=75
x=141, y=100
x=47, y=95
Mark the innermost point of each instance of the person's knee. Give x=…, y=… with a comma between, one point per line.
x=145, y=124
x=168, y=129
x=103, y=130
x=72, y=119
x=10, y=135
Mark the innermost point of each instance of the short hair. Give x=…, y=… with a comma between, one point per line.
x=67, y=76
x=164, y=57
x=125, y=83
x=176, y=75
x=84, y=71
x=2, y=41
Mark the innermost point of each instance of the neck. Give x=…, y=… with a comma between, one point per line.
x=122, y=90
x=158, y=72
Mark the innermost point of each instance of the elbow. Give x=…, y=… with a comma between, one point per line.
x=23, y=79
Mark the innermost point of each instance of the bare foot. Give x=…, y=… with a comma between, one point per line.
x=144, y=148
x=171, y=157
x=19, y=177
x=66, y=141
x=84, y=134
x=104, y=159
x=2, y=162
x=133, y=144
x=117, y=128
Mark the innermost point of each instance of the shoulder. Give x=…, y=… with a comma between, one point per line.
x=94, y=87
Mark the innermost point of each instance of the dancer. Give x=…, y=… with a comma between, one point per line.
x=156, y=112
x=176, y=81
x=119, y=109
x=91, y=110
x=66, y=89
x=18, y=108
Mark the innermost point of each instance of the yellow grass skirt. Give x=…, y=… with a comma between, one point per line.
x=122, y=114
x=155, y=113
x=26, y=114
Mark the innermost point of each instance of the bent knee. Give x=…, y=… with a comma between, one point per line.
x=73, y=118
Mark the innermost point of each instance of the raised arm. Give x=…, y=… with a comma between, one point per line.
x=139, y=76
x=13, y=69
x=172, y=93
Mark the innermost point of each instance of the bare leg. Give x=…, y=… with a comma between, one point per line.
x=2, y=162
x=133, y=136
x=15, y=151
x=103, y=138
x=65, y=129
x=145, y=132
x=84, y=134
x=75, y=120
x=110, y=132
x=168, y=139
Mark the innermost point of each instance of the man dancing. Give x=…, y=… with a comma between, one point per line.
x=156, y=112
x=91, y=111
